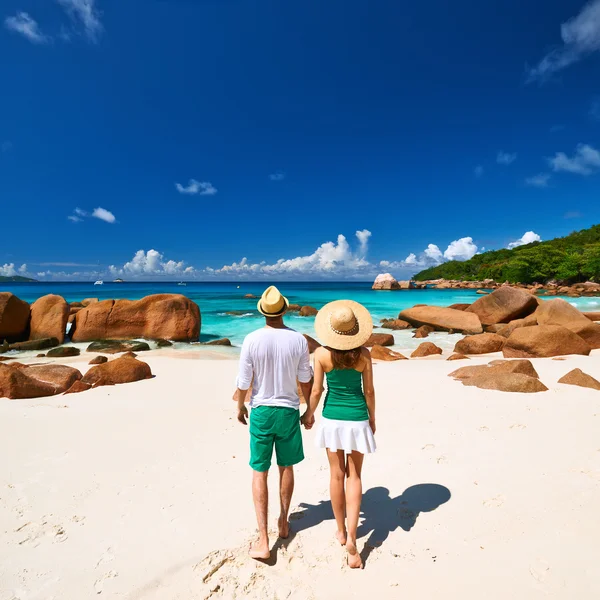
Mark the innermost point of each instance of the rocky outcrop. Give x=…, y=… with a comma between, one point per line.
x=98, y=360
x=294, y=308
x=160, y=343
x=423, y=331
x=560, y=312
x=78, y=387
x=542, y=341
x=385, y=281
x=166, y=316
x=63, y=351
x=395, y=324
x=120, y=370
x=88, y=301
x=219, y=342
x=524, y=367
x=506, y=329
x=308, y=311
x=250, y=296
x=380, y=339
x=49, y=316
x=382, y=353
x=592, y=316
x=18, y=381
x=482, y=343
x=459, y=306
x=457, y=356
x=14, y=317
x=312, y=343
x=42, y=344
x=116, y=346
x=442, y=319
x=578, y=377
x=503, y=376
x=503, y=305
x=426, y=349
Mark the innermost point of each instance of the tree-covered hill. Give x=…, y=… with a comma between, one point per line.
x=15, y=278
x=573, y=258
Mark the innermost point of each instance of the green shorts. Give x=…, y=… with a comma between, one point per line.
x=275, y=426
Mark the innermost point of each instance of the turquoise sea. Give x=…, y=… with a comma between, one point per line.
x=215, y=299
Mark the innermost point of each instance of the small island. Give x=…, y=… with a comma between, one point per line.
x=16, y=279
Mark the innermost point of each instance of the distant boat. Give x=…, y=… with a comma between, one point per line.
x=99, y=282
x=182, y=283
x=118, y=281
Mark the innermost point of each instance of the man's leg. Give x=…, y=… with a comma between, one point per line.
x=286, y=489
x=260, y=495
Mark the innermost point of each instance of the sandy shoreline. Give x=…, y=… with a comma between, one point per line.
x=126, y=490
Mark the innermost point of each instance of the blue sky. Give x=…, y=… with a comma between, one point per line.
x=223, y=139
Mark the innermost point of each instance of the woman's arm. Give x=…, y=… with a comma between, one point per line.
x=369, y=388
x=317, y=391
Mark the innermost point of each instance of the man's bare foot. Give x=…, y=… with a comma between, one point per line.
x=354, y=559
x=260, y=550
x=341, y=537
x=284, y=528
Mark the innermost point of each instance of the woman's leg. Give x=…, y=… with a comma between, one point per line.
x=353, y=500
x=337, y=466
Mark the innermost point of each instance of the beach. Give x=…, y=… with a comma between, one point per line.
x=142, y=491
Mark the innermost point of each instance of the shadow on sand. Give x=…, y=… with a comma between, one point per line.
x=380, y=514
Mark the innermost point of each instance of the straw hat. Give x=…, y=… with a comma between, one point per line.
x=272, y=303
x=343, y=325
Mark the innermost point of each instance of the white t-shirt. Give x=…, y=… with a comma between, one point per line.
x=272, y=360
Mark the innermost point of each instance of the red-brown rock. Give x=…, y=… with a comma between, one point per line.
x=294, y=308
x=505, y=329
x=88, y=301
x=395, y=324
x=63, y=352
x=130, y=354
x=78, y=387
x=560, y=312
x=49, y=316
x=423, y=331
x=168, y=316
x=60, y=376
x=98, y=360
x=426, y=349
x=380, y=339
x=14, y=317
x=480, y=344
x=457, y=356
x=503, y=305
x=459, y=306
x=19, y=381
x=308, y=311
x=592, y=316
x=312, y=343
x=506, y=382
x=381, y=353
x=542, y=341
x=524, y=367
x=442, y=319
x=578, y=377
x=385, y=281
x=121, y=370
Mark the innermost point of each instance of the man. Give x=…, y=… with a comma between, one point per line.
x=272, y=360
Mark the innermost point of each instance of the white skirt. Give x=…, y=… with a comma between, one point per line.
x=348, y=436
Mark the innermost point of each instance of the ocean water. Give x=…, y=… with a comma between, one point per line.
x=215, y=299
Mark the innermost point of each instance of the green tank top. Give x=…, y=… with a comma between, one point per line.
x=345, y=400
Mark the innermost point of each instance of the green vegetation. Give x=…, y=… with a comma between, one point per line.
x=570, y=259
x=15, y=278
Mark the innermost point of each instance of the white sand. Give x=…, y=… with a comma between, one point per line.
x=141, y=491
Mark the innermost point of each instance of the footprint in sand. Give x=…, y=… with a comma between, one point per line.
x=539, y=570
x=494, y=502
x=99, y=583
x=483, y=428
x=428, y=446
x=35, y=533
x=518, y=426
x=442, y=460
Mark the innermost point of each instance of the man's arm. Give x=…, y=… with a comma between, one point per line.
x=244, y=381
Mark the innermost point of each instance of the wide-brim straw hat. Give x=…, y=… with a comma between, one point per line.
x=343, y=325
x=272, y=303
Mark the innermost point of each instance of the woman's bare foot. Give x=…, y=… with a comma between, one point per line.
x=284, y=528
x=354, y=559
x=260, y=550
x=342, y=537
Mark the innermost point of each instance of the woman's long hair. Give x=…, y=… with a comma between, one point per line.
x=345, y=359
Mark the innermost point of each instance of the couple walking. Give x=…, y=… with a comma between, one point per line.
x=272, y=361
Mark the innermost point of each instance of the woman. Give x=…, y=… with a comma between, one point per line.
x=348, y=423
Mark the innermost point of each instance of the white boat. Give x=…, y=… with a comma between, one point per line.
x=182, y=283
x=99, y=282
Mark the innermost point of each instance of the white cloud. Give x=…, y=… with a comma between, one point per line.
x=8, y=270
x=363, y=239
x=580, y=36
x=23, y=269
x=478, y=171
x=150, y=263
x=411, y=259
x=540, y=180
x=506, y=158
x=527, y=238
x=85, y=14
x=200, y=188
x=433, y=253
x=462, y=249
x=74, y=218
x=22, y=23
x=585, y=161
x=277, y=176
x=103, y=215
